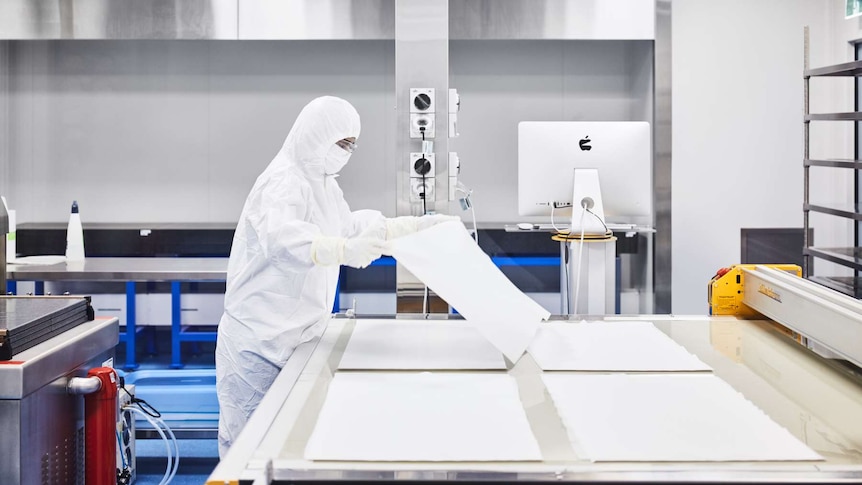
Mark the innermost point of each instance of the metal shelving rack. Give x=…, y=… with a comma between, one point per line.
x=850, y=257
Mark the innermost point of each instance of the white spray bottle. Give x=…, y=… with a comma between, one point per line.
x=75, y=236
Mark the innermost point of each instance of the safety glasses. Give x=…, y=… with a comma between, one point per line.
x=347, y=145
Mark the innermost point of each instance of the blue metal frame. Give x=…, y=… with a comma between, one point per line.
x=526, y=260
x=178, y=334
x=131, y=333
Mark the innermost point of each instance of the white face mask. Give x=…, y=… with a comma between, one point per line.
x=336, y=159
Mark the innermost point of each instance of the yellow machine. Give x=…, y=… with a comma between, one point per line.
x=725, y=294
x=725, y=289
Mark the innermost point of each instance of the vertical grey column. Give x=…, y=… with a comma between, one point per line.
x=421, y=61
x=5, y=108
x=662, y=162
x=5, y=185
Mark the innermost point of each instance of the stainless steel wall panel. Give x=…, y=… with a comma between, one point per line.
x=421, y=61
x=662, y=137
x=503, y=82
x=155, y=19
x=5, y=141
x=118, y=19
x=30, y=19
x=551, y=19
x=317, y=19
x=179, y=130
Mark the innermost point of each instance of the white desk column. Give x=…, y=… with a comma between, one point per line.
x=597, y=268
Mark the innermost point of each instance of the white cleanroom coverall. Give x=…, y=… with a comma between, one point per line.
x=294, y=231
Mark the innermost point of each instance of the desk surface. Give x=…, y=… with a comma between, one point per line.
x=817, y=400
x=124, y=269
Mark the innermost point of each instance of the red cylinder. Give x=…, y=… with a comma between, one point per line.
x=100, y=425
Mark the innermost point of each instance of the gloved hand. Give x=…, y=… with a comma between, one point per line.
x=402, y=226
x=357, y=252
x=360, y=251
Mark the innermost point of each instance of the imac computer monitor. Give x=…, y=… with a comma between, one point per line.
x=550, y=151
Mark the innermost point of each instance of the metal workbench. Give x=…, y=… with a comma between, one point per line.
x=818, y=400
x=42, y=435
x=131, y=270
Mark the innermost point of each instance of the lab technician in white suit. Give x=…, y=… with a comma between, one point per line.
x=294, y=232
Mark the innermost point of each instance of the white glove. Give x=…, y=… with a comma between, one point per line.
x=357, y=252
x=402, y=226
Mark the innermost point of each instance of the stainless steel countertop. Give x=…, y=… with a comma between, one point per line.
x=45, y=363
x=817, y=400
x=124, y=269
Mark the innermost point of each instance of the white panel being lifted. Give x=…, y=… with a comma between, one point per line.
x=422, y=417
x=610, y=346
x=667, y=417
x=419, y=345
x=446, y=258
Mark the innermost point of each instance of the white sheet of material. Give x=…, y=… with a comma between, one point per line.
x=445, y=258
x=667, y=417
x=420, y=345
x=422, y=417
x=610, y=346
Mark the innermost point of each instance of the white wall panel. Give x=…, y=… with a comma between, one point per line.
x=737, y=130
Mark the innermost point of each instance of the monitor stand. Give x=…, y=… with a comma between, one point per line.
x=589, y=272
x=586, y=191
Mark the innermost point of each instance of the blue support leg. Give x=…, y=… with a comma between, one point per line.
x=131, y=327
x=176, y=326
x=39, y=288
x=336, y=306
x=11, y=287
x=151, y=341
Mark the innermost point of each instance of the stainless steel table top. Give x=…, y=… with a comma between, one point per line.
x=124, y=269
x=50, y=360
x=819, y=401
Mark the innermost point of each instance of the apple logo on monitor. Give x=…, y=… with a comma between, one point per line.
x=584, y=143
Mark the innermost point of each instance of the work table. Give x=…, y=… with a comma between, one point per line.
x=815, y=399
